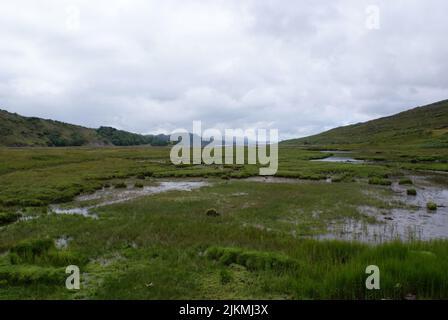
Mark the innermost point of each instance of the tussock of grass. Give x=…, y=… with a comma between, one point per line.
x=380, y=181
x=212, y=213
x=252, y=260
x=138, y=185
x=431, y=206
x=42, y=252
x=8, y=217
x=405, y=181
x=27, y=275
x=120, y=185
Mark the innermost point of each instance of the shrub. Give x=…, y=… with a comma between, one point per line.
x=431, y=206
x=411, y=192
x=138, y=185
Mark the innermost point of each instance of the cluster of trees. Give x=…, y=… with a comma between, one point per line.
x=74, y=140
x=124, y=138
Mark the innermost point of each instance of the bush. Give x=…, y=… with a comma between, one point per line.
x=138, y=185
x=411, y=192
x=431, y=206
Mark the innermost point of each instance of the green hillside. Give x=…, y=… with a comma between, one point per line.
x=425, y=126
x=19, y=131
x=124, y=138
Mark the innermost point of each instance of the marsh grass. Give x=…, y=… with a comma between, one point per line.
x=9, y=217
x=164, y=247
x=380, y=181
x=431, y=206
x=406, y=181
x=42, y=252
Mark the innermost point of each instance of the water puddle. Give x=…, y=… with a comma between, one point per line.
x=413, y=222
x=335, y=151
x=339, y=157
x=273, y=179
x=108, y=196
x=61, y=243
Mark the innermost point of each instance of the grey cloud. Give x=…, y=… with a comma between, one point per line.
x=153, y=66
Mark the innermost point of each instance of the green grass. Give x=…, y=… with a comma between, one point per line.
x=406, y=181
x=379, y=181
x=165, y=246
x=8, y=217
x=257, y=241
x=19, y=131
x=423, y=127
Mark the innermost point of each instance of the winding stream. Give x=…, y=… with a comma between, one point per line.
x=109, y=196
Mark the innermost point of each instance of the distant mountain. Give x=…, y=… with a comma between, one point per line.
x=425, y=126
x=19, y=131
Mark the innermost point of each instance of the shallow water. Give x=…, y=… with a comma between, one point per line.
x=110, y=196
x=335, y=151
x=340, y=159
x=411, y=221
x=414, y=222
x=62, y=242
x=273, y=179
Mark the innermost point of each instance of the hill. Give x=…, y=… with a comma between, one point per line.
x=425, y=126
x=19, y=131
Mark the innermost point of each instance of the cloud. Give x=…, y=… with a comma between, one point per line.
x=153, y=66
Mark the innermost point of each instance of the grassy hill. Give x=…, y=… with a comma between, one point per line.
x=425, y=126
x=19, y=131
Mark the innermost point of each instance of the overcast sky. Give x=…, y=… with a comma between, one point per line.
x=154, y=66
